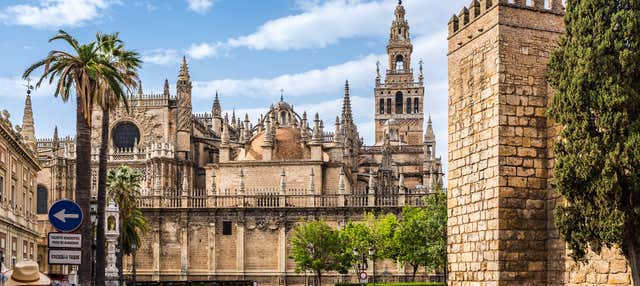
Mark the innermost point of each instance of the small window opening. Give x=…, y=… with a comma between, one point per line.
x=226, y=228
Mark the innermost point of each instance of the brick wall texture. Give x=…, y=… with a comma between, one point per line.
x=501, y=229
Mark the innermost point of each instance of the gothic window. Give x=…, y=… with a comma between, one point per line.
x=381, y=106
x=226, y=227
x=399, y=99
x=125, y=135
x=283, y=118
x=416, y=105
x=409, y=105
x=399, y=63
x=42, y=199
x=389, y=105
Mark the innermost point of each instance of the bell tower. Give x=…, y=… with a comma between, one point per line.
x=399, y=100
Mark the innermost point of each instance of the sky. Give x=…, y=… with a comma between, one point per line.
x=247, y=50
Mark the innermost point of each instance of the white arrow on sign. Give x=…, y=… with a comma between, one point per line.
x=62, y=216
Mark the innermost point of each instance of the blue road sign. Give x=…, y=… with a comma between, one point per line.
x=65, y=215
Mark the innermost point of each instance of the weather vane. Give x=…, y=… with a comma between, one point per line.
x=28, y=85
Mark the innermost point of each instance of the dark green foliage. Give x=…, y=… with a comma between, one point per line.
x=596, y=75
x=421, y=237
x=316, y=247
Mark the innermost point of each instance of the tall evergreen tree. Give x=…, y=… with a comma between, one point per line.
x=596, y=75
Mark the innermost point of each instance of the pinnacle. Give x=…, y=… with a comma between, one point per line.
x=184, y=70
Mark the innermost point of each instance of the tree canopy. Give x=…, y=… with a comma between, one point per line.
x=596, y=77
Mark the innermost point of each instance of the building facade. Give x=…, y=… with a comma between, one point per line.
x=222, y=193
x=500, y=185
x=18, y=169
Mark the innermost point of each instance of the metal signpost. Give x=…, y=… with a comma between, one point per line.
x=64, y=247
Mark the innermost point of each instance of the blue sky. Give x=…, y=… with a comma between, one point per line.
x=246, y=49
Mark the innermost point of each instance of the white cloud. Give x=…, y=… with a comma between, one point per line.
x=323, y=23
x=14, y=87
x=161, y=57
x=200, y=6
x=54, y=13
x=360, y=73
x=200, y=51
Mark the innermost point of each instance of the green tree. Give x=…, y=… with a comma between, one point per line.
x=421, y=238
x=596, y=77
x=111, y=48
x=84, y=73
x=316, y=247
x=123, y=185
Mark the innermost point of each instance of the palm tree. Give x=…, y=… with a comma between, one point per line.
x=111, y=48
x=85, y=73
x=124, y=189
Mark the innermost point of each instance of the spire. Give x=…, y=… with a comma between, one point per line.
x=140, y=92
x=337, y=137
x=184, y=70
x=28, y=128
x=378, y=73
x=56, y=140
x=372, y=187
x=216, y=110
x=241, y=187
x=421, y=75
x=429, y=136
x=346, y=105
x=281, y=95
x=166, y=88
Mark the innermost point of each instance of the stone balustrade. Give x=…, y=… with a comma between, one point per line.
x=201, y=198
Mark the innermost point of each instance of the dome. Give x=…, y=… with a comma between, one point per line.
x=281, y=105
x=288, y=145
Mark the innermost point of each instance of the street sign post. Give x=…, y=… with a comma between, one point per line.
x=65, y=215
x=65, y=240
x=65, y=257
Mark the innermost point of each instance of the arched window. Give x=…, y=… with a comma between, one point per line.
x=389, y=105
x=42, y=199
x=409, y=106
x=381, y=106
x=416, y=105
x=399, y=99
x=399, y=63
x=125, y=135
x=283, y=118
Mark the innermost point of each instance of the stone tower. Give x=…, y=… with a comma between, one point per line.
x=501, y=229
x=399, y=98
x=184, y=120
x=216, y=115
x=28, y=128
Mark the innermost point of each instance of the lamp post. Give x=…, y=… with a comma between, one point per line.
x=134, y=248
x=361, y=266
x=372, y=255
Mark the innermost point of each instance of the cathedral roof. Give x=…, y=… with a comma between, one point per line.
x=288, y=145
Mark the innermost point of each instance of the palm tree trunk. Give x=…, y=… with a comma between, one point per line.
x=102, y=195
x=83, y=192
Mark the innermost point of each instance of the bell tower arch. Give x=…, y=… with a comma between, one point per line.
x=400, y=97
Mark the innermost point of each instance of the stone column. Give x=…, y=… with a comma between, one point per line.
x=156, y=249
x=240, y=247
x=282, y=250
x=212, y=248
x=184, y=246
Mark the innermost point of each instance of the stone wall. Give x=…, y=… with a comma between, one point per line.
x=190, y=245
x=501, y=200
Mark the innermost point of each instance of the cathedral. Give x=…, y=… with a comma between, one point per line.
x=222, y=193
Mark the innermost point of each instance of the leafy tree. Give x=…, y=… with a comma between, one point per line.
x=126, y=64
x=316, y=247
x=421, y=238
x=84, y=73
x=596, y=76
x=123, y=185
x=383, y=230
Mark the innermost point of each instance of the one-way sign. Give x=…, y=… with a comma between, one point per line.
x=65, y=215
